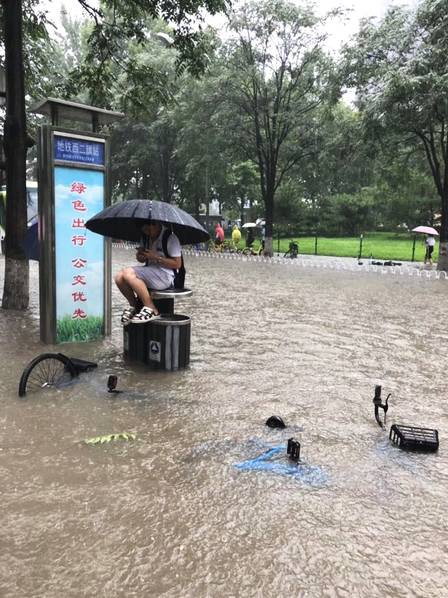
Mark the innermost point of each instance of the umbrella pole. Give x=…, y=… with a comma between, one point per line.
x=413, y=248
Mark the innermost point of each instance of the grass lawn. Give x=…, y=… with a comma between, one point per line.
x=381, y=246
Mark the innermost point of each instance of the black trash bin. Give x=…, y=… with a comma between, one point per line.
x=162, y=344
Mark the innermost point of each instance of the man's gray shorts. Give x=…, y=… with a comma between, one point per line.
x=154, y=277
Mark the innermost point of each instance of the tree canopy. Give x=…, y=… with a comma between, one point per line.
x=399, y=69
x=254, y=119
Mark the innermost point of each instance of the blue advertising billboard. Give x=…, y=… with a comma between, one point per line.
x=79, y=254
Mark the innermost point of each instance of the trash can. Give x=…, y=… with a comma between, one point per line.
x=162, y=344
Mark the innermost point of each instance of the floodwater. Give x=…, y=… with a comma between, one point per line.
x=169, y=514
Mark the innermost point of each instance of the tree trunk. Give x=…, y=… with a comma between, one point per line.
x=197, y=203
x=269, y=219
x=442, y=263
x=16, y=285
x=164, y=163
x=145, y=184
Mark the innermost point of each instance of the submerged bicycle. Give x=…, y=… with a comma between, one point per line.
x=51, y=370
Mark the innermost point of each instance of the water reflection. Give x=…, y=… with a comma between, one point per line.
x=169, y=514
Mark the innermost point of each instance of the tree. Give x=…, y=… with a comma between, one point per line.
x=277, y=77
x=340, y=162
x=203, y=160
x=15, y=294
x=114, y=22
x=117, y=22
x=243, y=182
x=398, y=67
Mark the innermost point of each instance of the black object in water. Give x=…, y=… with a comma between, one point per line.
x=81, y=365
x=386, y=263
x=293, y=449
x=275, y=421
x=379, y=405
x=410, y=438
x=112, y=384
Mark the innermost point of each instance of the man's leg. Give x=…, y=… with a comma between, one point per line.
x=125, y=289
x=139, y=288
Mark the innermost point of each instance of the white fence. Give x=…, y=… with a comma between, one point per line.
x=317, y=263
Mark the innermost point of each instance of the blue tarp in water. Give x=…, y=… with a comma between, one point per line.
x=308, y=474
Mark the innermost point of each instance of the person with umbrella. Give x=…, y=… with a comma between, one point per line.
x=164, y=228
x=157, y=273
x=429, y=244
x=249, y=226
x=430, y=240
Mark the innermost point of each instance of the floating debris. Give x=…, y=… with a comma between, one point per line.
x=110, y=438
x=293, y=449
x=310, y=475
x=379, y=405
x=411, y=438
x=112, y=384
x=275, y=421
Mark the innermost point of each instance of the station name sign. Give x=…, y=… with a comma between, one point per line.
x=82, y=151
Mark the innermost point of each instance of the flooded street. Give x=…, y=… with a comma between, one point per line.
x=169, y=514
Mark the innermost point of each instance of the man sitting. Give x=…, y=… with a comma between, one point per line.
x=157, y=273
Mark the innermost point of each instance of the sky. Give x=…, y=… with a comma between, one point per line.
x=339, y=31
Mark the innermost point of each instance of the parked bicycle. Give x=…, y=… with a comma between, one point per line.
x=251, y=251
x=293, y=250
x=227, y=246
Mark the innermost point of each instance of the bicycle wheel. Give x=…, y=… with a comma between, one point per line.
x=49, y=370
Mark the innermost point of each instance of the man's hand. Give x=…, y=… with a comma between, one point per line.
x=140, y=255
x=147, y=254
x=151, y=255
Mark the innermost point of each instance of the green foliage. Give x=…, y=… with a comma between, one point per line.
x=259, y=128
x=105, y=439
x=121, y=24
x=352, y=214
x=79, y=330
x=399, y=69
x=276, y=78
x=375, y=245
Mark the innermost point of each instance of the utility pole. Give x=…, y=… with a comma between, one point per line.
x=16, y=285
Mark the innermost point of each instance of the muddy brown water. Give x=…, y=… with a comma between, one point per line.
x=169, y=514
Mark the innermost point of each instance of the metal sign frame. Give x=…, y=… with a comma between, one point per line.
x=47, y=231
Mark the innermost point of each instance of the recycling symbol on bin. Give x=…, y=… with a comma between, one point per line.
x=154, y=347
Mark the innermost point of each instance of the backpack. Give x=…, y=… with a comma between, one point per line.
x=179, y=275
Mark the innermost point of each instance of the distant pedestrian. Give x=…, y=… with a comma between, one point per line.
x=429, y=244
x=236, y=235
x=250, y=237
x=219, y=234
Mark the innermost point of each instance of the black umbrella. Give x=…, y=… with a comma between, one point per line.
x=125, y=220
